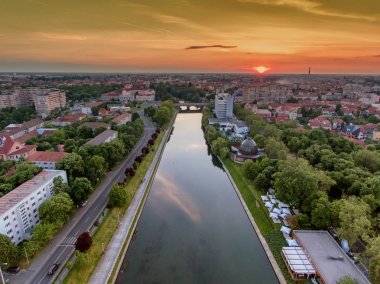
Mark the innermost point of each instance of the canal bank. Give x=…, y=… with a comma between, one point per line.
x=110, y=262
x=193, y=228
x=269, y=253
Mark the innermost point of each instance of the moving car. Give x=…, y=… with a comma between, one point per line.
x=53, y=269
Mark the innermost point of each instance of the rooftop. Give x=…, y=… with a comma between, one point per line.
x=324, y=251
x=102, y=137
x=19, y=193
x=46, y=156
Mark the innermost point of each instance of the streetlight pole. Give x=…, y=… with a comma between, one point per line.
x=1, y=273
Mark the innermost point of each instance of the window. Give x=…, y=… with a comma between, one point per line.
x=5, y=218
x=7, y=225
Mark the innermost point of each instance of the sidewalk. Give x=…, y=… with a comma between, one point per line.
x=106, y=265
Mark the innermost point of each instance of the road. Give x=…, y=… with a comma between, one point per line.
x=61, y=247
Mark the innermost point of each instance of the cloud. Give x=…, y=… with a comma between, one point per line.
x=57, y=36
x=377, y=55
x=311, y=7
x=211, y=46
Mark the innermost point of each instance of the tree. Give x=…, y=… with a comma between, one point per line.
x=23, y=171
x=354, y=219
x=162, y=115
x=85, y=132
x=73, y=165
x=56, y=210
x=220, y=147
x=59, y=186
x=80, y=190
x=118, y=196
x=321, y=215
x=275, y=149
x=373, y=252
x=83, y=242
x=96, y=169
x=368, y=159
x=8, y=251
x=43, y=233
x=135, y=116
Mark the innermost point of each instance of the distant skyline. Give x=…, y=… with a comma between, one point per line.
x=286, y=36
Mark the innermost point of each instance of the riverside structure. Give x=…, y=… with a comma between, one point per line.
x=193, y=228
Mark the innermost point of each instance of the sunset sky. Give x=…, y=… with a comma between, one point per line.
x=287, y=36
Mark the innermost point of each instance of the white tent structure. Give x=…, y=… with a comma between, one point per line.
x=297, y=262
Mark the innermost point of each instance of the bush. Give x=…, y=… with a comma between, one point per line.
x=84, y=242
x=118, y=196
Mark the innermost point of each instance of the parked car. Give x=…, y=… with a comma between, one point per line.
x=13, y=269
x=53, y=269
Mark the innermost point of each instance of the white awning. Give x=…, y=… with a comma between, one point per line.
x=298, y=261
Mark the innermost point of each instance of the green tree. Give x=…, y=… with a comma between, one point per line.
x=368, y=159
x=73, y=165
x=275, y=149
x=43, y=233
x=354, y=219
x=85, y=132
x=118, y=196
x=162, y=116
x=80, y=190
x=56, y=210
x=96, y=169
x=23, y=171
x=220, y=147
x=322, y=216
x=59, y=186
x=373, y=252
x=8, y=251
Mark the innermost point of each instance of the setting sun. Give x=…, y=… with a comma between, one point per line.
x=261, y=69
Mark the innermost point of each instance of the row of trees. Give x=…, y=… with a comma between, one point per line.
x=86, y=92
x=328, y=178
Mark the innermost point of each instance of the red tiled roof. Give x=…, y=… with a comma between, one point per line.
x=121, y=117
x=8, y=143
x=39, y=156
x=25, y=149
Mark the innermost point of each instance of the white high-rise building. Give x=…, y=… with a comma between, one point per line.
x=224, y=105
x=19, y=208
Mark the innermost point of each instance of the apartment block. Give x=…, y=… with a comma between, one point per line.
x=48, y=101
x=224, y=105
x=19, y=208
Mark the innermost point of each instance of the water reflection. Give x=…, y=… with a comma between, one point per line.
x=193, y=228
x=172, y=193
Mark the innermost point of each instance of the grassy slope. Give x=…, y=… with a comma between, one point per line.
x=110, y=223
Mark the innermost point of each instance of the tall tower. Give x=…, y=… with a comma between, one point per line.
x=309, y=70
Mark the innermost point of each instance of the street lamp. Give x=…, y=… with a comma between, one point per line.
x=1, y=273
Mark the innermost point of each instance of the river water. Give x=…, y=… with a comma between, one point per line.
x=193, y=228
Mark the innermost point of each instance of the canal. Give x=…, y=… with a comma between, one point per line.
x=193, y=228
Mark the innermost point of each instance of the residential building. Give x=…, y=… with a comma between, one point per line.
x=9, y=99
x=22, y=153
x=19, y=208
x=68, y=119
x=119, y=108
x=48, y=101
x=7, y=146
x=122, y=119
x=46, y=160
x=87, y=108
x=104, y=137
x=320, y=122
x=224, y=105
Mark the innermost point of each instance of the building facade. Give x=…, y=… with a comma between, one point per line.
x=224, y=105
x=19, y=208
x=46, y=102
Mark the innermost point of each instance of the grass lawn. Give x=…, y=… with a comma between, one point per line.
x=110, y=223
x=269, y=230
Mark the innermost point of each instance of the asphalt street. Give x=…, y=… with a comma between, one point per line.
x=61, y=247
